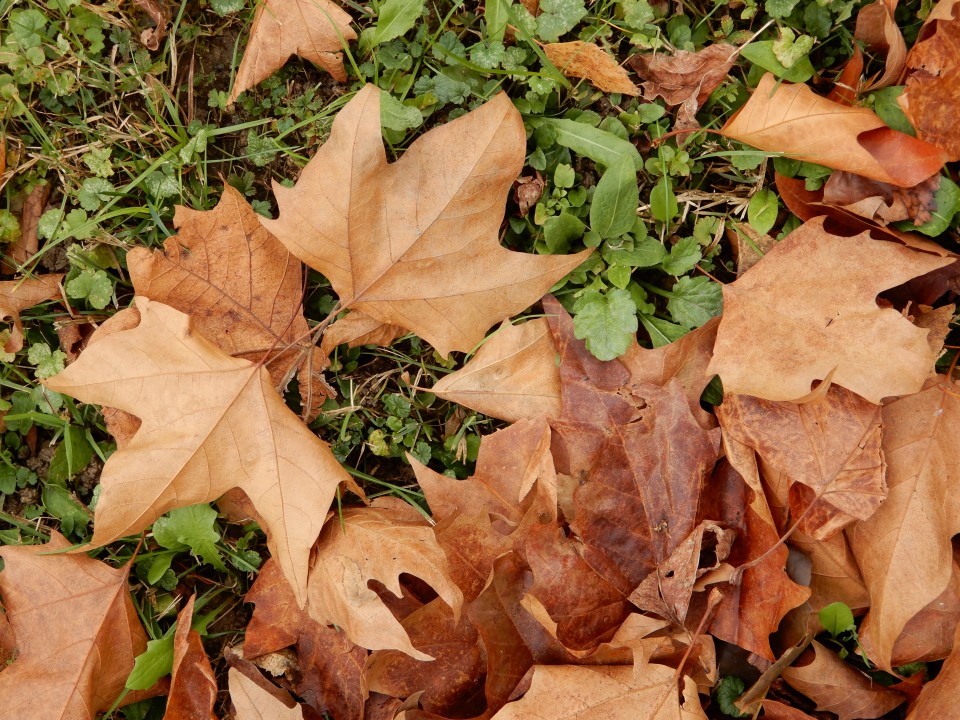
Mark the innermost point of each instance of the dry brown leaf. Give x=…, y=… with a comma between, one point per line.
x=773, y=710
x=240, y=286
x=940, y=697
x=931, y=97
x=77, y=633
x=25, y=247
x=357, y=329
x=877, y=29
x=17, y=295
x=586, y=60
x=793, y=120
x=882, y=202
x=748, y=245
x=904, y=550
x=193, y=687
x=807, y=311
x=838, y=687
x=847, y=85
x=471, y=545
x=251, y=702
x=569, y=692
x=513, y=376
x=685, y=78
x=160, y=14
x=366, y=544
x=316, y=30
x=834, y=574
x=415, y=243
x=828, y=450
x=210, y=422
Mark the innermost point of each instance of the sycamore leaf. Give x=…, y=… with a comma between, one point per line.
x=415, y=243
x=316, y=30
x=513, y=376
x=904, y=550
x=568, y=692
x=374, y=544
x=793, y=120
x=834, y=574
x=253, y=703
x=17, y=295
x=210, y=422
x=941, y=696
x=807, y=311
x=586, y=60
x=357, y=329
x=193, y=687
x=77, y=633
x=240, y=286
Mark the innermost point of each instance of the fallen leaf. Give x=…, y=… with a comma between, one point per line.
x=415, y=243
x=316, y=30
x=513, y=376
x=527, y=191
x=330, y=677
x=846, y=87
x=17, y=295
x=210, y=422
x=748, y=245
x=470, y=544
x=838, y=687
x=250, y=702
x=240, y=286
x=937, y=321
x=586, y=60
x=568, y=692
x=931, y=97
x=773, y=710
x=807, y=311
x=685, y=78
x=354, y=330
x=835, y=576
x=193, y=687
x=793, y=120
x=26, y=246
x=904, y=550
x=882, y=202
x=879, y=32
x=77, y=633
x=364, y=544
x=160, y=14
x=940, y=697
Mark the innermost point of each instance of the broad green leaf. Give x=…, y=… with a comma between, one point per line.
x=153, y=663
x=693, y=301
x=662, y=332
x=93, y=285
x=644, y=253
x=683, y=257
x=496, y=14
x=608, y=322
x=663, y=203
x=947, y=202
x=94, y=192
x=190, y=527
x=393, y=20
x=71, y=456
x=558, y=17
x=780, y=8
x=60, y=502
x=762, y=210
x=761, y=53
x=561, y=230
x=614, y=209
x=48, y=362
x=619, y=276
x=394, y=115
x=886, y=106
x=790, y=49
x=837, y=619
x=600, y=146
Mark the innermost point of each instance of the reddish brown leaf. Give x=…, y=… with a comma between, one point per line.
x=877, y=29
x=847, y=85
x=193, y=687
x=835, y=576
x=940, y=697
x=471, y=544
x=882, y=202
x=77, y=633
x=26, y=246
x=17, y=295
x=586, y=60
x=160, y=14
x=793, y=120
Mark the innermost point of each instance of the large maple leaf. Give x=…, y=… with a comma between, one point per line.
x=415, y=243
x=210, y=422
x=77, y=633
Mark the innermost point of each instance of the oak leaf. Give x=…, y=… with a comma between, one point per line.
x=251, y=702
x=240, y=286
x=589, y=61
x=76, y=628
x=807, y=311
x=366, y=544
x=210, y=422
x=904, y=550
x=415, y=243
x=316, y=30
x=193, y=687
x=793, y=120
x=17, y=295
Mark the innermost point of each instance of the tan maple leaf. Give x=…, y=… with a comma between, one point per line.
x=193, y=687
x=376, y=543
x=807, y=311
x=17, y=295
x=587, y=60
x=210, y=422
x=77, y=633
x=316, y=30
x=415, y=243
x=241, y=287
x=251, y=702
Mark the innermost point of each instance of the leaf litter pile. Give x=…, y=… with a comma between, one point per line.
x=622, y=549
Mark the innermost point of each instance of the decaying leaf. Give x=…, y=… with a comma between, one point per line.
x=253, y=703
x=512, y=376
x=193, y=687
x=77, y=633
x=882, y=202
x=374, y=544
x=415, y=243
x=210, y=422
x=807, y=311
x=586, y=60
x=904, y=550
x=240, y=286
x=160, y=14
x=795, y=121
x=17, y=295
x=316, y=30
x=877, y=29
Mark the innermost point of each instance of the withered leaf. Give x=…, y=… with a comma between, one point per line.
x=415, y=243
x=807, y=311
x=193, y=687
x=940, y=697
x=77, y=633
x=251, y=702
x=356, y=329
x=586, y=60
x=882, y=202
x=878, y=30
x=793, y=120
x=834, y=574
x=316, y=30
x=210, y=422
x=17, y=295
